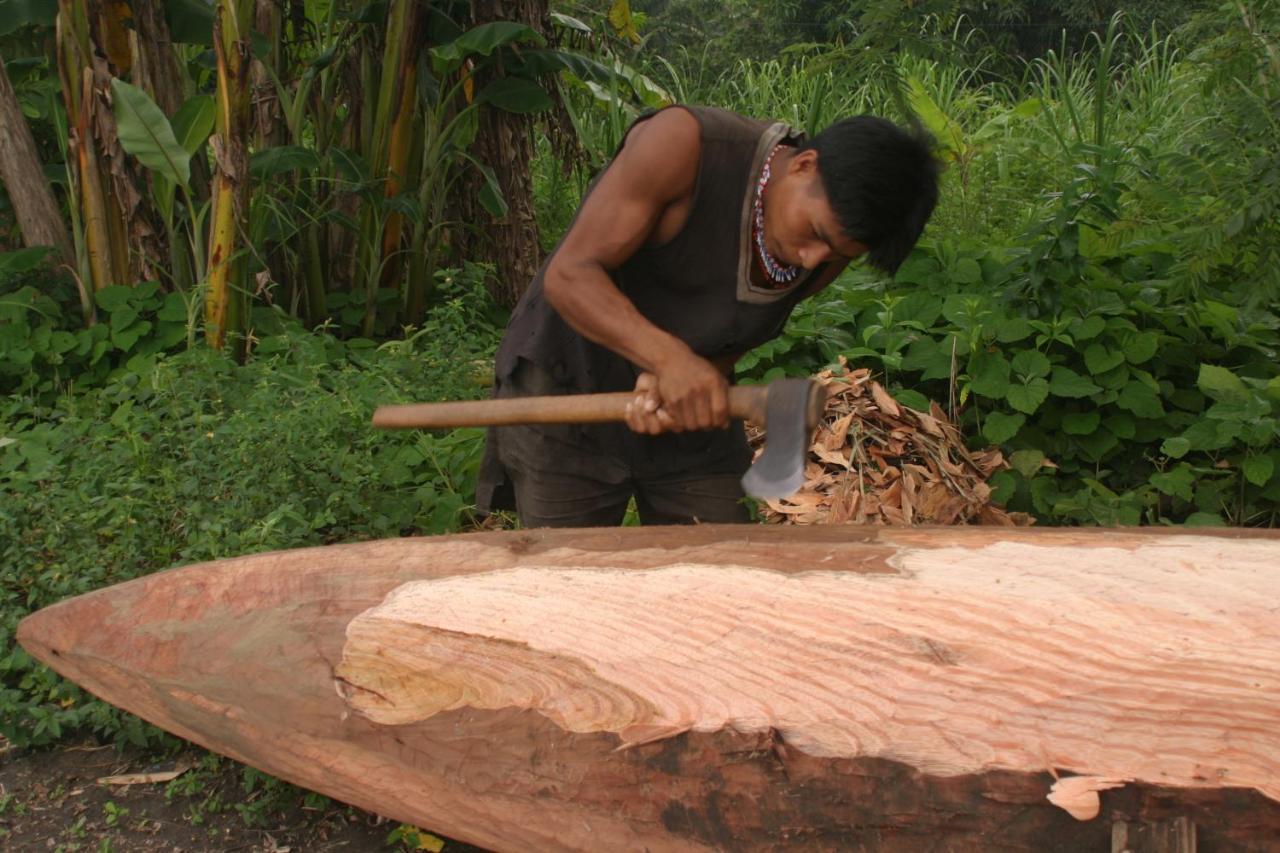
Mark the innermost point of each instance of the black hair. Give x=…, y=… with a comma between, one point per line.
x=881, y=182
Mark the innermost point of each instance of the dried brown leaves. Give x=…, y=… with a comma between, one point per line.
x=875, y=461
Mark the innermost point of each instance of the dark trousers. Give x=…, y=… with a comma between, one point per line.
x=584, y=475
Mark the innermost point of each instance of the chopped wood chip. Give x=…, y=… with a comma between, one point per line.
x=874, y=460
x=144, y=778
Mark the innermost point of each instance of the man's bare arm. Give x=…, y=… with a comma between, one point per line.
x=656, y=169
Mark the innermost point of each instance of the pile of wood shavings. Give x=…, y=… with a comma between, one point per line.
x=875, y=461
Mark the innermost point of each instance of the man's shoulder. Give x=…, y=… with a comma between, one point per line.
x=709, y=122
x=662, y=152
x=683, y=130
x=677, y=125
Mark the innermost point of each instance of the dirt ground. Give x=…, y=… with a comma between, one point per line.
x=52, y=800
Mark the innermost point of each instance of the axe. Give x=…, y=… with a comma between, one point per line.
x=788, y=408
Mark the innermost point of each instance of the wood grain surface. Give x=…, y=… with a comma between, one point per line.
x=731, y=688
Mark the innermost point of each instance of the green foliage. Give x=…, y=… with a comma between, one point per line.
x=44, y=350
x=145, y=132
x=1150, y=409
x=180, y=458
x=1097, y=294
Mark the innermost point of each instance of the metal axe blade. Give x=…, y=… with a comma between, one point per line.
x=792, y=409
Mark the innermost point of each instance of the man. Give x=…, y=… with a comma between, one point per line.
x=690, y=249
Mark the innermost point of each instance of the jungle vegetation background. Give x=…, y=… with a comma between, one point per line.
x=228, y=230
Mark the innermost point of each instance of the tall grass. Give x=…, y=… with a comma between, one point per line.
x=1020, y=139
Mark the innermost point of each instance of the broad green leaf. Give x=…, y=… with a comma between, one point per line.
x=918, y=268
x=1175, y=447
x=918, y=307
x=1003, y=487
x=1137, y=397
x=60, y=342
x=484, y=40
x=1258, y=469
x=282, y=158
x=967, y=310
x=1080, y=423
x=949, y=136
x=1210, y=434
x=999, y=427
x=1203, y=519
x=123, y=316
x=1114, y=379
x=22, y=260
x=491, y=197
x=1065, y=382
x=536, y=62
x=570, y=23
x=174, y=309
x=1123, y=425
x=911, y=399
x=1273, y=389
x=1027, y=462
x=1028, y=108
x=193, y=122
x=146, y=134
x=989, y=374
x=516, y=95
x=1099, y=359
x=967, y=271
x=931, y=357
x=1141, y=347
x=190, y=21
x=124, y=339
x=1221, y=384
x=1098, y=443
x=1028, y=398
x=650, y=93
x=1179, y=481
x=1013, y=330
x=112, y=297
x=1031, y=363
x=1088, y=327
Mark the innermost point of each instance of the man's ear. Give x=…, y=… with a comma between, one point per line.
x=804, y=162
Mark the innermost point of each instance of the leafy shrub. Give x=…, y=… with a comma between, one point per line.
x=1120, y=397
x=188, y=457
x=45, y=347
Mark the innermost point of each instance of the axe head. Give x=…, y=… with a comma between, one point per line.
x=792, y=410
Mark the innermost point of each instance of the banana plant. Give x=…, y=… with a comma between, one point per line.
x=224, y=307
x=166, y=149
x=103, y=248
x=444, y=118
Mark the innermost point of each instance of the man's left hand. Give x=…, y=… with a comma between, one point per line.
x=645, y=413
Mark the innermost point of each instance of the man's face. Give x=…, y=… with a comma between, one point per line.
x=800, y=227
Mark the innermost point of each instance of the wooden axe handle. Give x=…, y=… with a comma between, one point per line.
x=746, y=402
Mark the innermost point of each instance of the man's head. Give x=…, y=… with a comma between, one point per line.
x=877, y=184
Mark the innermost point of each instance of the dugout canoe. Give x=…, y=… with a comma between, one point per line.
x=730, y=688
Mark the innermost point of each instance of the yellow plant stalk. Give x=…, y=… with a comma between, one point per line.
x=82, y=74
x=230, y=21
x=97, y=235
x=400, y=148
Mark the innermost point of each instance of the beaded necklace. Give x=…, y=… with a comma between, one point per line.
x=775, y=273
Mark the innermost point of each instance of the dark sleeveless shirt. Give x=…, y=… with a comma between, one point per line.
x=697, y=286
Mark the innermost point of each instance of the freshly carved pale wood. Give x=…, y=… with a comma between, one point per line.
x=727, y=687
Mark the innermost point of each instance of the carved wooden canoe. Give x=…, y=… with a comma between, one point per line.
x=728, y=688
